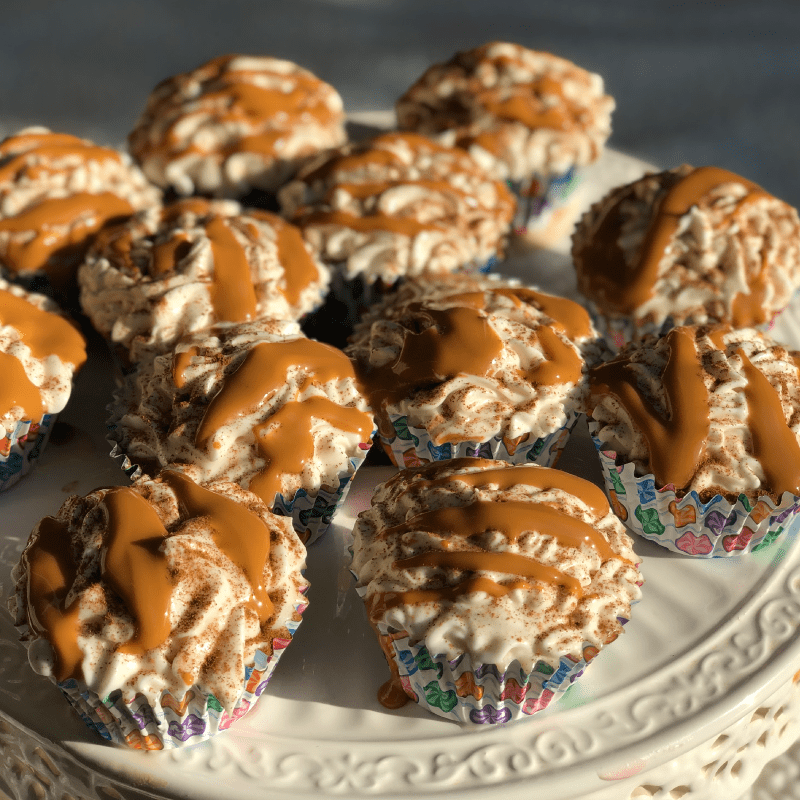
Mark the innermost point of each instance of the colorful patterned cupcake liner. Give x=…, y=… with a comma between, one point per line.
x=483, y=694
x=412, y=446
x=312, y=512
x=21, y=448
x=540, y=197
x=172, y=723
x=714, y=529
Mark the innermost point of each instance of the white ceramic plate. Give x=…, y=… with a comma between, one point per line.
x=709, y=641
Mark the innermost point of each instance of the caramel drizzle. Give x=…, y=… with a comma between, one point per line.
x=239, y=533
x=134, y=566
x=773, y=442
x=629, y=287
x=43, y=332
x=232, y=292
x=562, y=364
x=284, y=439
x=676, y=445
x=31, y=153
x=511, y=518
x=286, y=443
x=51, y=574
x=299, y=269
x=434, y=355
x=233, y=95
x=82, y=214
x=569, y=317
x=504, y=478
x=18, y=391
x=180, y=363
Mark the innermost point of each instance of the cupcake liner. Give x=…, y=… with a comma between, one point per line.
x=22, y=447
x=171, y=723
x=714, y=529
x=312, y=512
x=482, y=694
x=413, y=446
x=540, y=197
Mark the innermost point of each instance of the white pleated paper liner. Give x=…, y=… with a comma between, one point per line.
x=21, y=448
x=687, y=525
x=482, y=694
x=413, y=446
x=311, y=511
x=541, y=197
x=172, y=723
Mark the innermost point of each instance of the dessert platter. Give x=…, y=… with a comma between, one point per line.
x=231, y=504
x=698, y=696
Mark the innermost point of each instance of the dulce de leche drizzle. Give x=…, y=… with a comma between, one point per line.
x=134, y=566
x=61, y=227
x=457, y=341
x=51, y=573
x=634, y=284
x=262, y=372
x=18, y=391
x=512, y=518
x=238, y=97
x=568, y=316
x=43, y=332
x=504, y=478
x=237, y=532
x=676, y=445
x=286, y=443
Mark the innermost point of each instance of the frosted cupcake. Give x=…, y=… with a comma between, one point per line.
x=394, y=207
x=257, y=404
x=530, y=118
x=40, y=352
x=687, y=246
x=56, y=192
x=491, y=586
x=479, y=370
x=699, y=438
x=235, y=123
x=171, y=271
x=160, y=646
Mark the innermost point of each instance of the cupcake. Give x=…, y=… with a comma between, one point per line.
x=234, y=124
x=162, y=645
x=257, y=404
x=171, y=271
x=40, y=352
x=56, y=192
x=699, y=438
x=491, y=586
x=394, y=207
x=686, y=246
x=530, y=118
x=479, y=370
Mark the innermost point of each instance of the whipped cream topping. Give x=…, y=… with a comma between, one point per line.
x=190, y=612
x=690, y=245
x=192, y=410
x=171, y=271
x=40, y=352
x=518, y=112
x=469, y=361
x=706, y=408
x=56, y=192
x=235, y=123
x=399, y=205
x=503, y=563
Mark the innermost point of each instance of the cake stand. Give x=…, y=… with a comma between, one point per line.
x=692, y=702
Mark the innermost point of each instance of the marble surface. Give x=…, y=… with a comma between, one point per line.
x=703, y=82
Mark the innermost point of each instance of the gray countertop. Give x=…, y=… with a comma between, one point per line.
x=702, y=82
